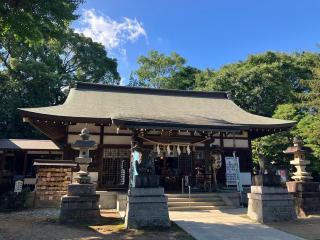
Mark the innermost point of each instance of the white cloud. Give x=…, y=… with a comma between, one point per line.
x=112, y=34
x=123, y=81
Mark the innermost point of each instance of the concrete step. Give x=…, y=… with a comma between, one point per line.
x=207, y=199
x=193, y=195
x=195, y=204
x=197, y=201
x=197, y=208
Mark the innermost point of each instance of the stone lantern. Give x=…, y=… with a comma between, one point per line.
x=84, y=146
x=80, y=205
x=305, y=192
x=299, y=161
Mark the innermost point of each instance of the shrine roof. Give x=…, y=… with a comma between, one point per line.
x=28, y=144
x=145, y=107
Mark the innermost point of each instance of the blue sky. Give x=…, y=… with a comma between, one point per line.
x=208, y=33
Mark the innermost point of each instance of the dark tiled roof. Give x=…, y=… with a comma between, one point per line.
x=146, y=107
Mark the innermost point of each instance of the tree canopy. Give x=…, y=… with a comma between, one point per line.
x=37, y=66
x=284, y=86
x=157, y=70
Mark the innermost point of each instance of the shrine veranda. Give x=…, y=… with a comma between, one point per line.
x=183, y=128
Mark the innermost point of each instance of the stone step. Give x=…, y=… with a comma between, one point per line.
x=193, y=195
x=207, y=199
x=197, y=208
x=195, y=204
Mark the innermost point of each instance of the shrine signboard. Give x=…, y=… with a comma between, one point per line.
x=232, y=165
x=18, y=186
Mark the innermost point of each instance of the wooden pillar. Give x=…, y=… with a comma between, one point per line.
x=250, y=164
x=14, y=163
x=101, y=134
x=207, y=156
x=222, y=170
x=25, y=162
x=100, y=152
x=2, y=162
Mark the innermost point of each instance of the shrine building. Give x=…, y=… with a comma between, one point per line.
x=191, y=132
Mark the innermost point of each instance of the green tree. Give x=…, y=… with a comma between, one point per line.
x=185, y=79
x=263, y=81
x=36, y=73
x=35, y=21
x=305, y=111
x=157, y=70
x=272, y=146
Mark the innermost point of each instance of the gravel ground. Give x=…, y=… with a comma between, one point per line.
x=308, y=228
x=41, y=224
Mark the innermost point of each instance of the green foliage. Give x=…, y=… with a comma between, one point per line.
x=272, y=146
x=157, y=70
x=310, y=97
x=38, y=70
x=35, y=21
x=262, y=82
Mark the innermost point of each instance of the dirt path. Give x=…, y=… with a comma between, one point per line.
x=42, y=224
x=308, y=228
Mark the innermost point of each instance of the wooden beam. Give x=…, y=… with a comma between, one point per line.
x=101, y=134
x=25, y=161
x=54, y=131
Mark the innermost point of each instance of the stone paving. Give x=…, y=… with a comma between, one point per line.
x=226, y=224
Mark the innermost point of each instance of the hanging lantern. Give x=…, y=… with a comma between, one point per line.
x=216, y=160
x=184, y=149
x=168, y=150
x=158, y=150
x=174, y=151
x=188, y=150
x=178, y=150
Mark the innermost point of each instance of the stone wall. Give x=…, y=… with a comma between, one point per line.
x=52, y=182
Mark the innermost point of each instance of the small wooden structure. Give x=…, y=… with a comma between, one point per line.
x=17, y=157
x=52, y=180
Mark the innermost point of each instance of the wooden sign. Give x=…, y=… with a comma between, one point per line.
x=18, y=186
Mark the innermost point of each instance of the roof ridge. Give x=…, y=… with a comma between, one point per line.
x=153, y=91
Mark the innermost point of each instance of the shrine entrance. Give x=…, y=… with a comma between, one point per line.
x=179, y=172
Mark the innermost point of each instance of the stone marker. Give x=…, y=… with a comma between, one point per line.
x=146, y=205
x=306, y=193
x=268, y=201
x=81, y=202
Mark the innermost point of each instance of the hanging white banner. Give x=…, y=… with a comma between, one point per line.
x=231, y=170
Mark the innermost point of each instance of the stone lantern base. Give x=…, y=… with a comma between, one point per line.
x=80, y=205
x=270, y=204
x=306, y=197
x=147, y=207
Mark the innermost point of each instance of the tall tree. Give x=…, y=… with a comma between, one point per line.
x=35, y=21
x=36, y=70
x=263, y=81
x=157, y=70
x=305, y=111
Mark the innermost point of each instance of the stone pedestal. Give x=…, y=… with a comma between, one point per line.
x=306, y=197
x=270, y=204
x=147, y=207
x=80, y=205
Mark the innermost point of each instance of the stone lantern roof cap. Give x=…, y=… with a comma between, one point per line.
x=89, y=144
x=297, y=147
x=84, y=142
